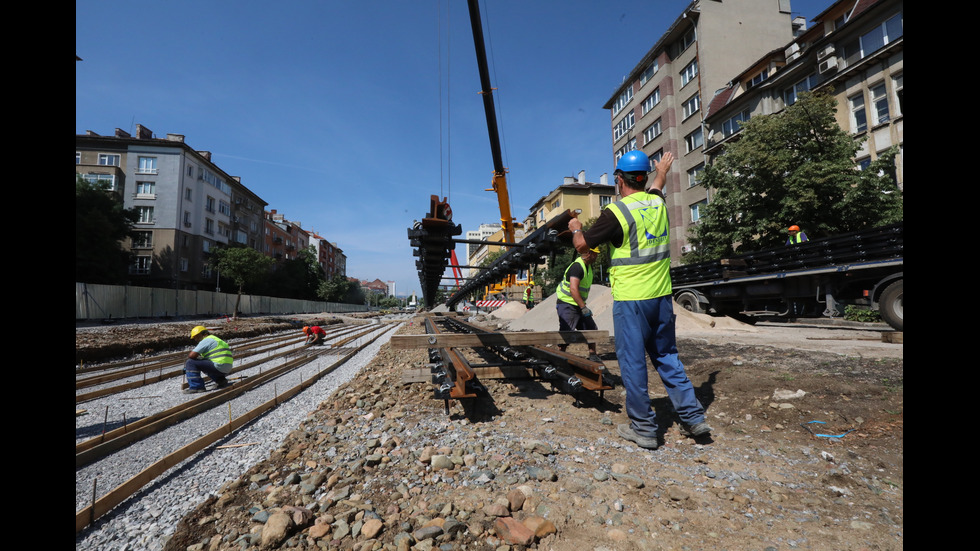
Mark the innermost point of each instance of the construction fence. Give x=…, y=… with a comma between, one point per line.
x=97, y=302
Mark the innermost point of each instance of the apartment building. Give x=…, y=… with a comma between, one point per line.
x=283, y=239
x=480, y=234
x=854, y=51
x=658, y=106
x=330, y=257
x=575, y=193
x=186, y=203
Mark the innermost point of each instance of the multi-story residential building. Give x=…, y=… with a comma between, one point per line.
x=480, y=234
x=330, y=257
x=573, y=194
x=186, y=203
x=283, y=239
x=854, y=51
x=658, y=106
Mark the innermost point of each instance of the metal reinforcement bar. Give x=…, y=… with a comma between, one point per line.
x=101, y=506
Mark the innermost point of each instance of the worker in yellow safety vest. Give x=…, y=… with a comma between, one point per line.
x=643, y=315
x=529, y=296
x=211, y=356
x=572, y=292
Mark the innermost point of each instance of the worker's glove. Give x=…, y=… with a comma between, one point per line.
x=586, y=312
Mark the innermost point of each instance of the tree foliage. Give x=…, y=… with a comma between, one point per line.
x=243, y=265
x=101, y=224
x=298, y=277
x=334, y=289
x=794, y=167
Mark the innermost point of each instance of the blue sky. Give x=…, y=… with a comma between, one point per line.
x=347, y=115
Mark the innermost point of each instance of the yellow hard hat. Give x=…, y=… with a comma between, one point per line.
x=197, y=330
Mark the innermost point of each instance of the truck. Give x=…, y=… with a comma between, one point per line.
x=811, y=279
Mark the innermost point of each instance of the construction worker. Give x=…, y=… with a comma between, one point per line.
x=796, y=236
x=572, y=291
x=315, y=335
x=637, y=228
x=529, y=296
x=212, y=356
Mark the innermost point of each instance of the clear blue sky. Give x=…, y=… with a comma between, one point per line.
x=347, y=115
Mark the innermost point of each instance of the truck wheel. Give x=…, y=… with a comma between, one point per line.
x=689, y=302
x=891, y=305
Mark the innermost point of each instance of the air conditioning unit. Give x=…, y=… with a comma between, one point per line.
x=825, y=52
x=827, y=65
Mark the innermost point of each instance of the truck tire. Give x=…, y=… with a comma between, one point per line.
x=890, y=305
x=689, y=301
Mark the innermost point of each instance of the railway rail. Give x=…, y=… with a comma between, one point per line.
x=279, y=370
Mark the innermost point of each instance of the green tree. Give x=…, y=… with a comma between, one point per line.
x=334, y=289
x=101, y=224
x=243, y=265
x=298, y=277
x=793, y=167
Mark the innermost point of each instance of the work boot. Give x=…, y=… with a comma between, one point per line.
x=697, y=429
x=220, y=386
x=628, y=433
x=193, y=390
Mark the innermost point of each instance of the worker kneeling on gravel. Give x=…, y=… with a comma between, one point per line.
x=315, y=335
x=573, y=314
x=212, y=356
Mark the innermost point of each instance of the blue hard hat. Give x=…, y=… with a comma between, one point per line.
x=634, y=161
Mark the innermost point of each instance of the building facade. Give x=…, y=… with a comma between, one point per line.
x=658, y=106
x=283, y=239
x=187, y=205
x=575, y=193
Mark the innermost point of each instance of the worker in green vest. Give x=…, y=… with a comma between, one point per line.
x=643, y=315
x=796, y=236
x=211, y=356
x=572, y=291
x=529, y=295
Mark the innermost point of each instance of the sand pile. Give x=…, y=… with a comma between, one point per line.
x=544, y=316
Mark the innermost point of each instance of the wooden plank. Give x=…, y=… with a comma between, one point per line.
x=471, y=340
x=419, y=375
x=895, y=337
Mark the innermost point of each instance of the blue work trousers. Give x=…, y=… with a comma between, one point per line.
x=194, y=368
x=647, y=327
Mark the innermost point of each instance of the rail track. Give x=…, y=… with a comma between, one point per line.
x=154, y=426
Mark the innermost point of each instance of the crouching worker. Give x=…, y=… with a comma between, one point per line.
x=315, y=335
x=212, y=356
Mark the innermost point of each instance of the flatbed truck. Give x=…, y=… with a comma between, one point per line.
x=812, y=279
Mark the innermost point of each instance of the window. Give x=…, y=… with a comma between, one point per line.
x=108, y=180
x=78, y=157
x=604, y=200
x=145, y=215
x=693, y=175
x=187, y=219
x=692, y=105
x=697, y=209
x=106, y=159
x=791, y=93
x=147, y=165
x=897, y=84
x=859, y=118
x=209, y=226
x=874, y=40
x=758, y=79
x=733, y=125
x=694, y=140
x=656, y=156
x=141, y=265
x=146, y=189
x=689, y=73
x=188, y=193
x=142, y=239
x=623, y=100
x=652, y=132
x=209, y=204
x=183, y=264
x=687, y=40
x=224, y=208
x=556, y=204
x=223, y=230
x=649, y=72
x=206, y=245
x=652, y=100
x=623, y=126
x=879, y=104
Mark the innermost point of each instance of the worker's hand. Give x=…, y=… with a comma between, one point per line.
x=586, y=312
x=663, y=165
x=574, y=224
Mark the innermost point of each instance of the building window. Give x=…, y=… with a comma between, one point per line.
x=206, y=245
x=106, y=159
x=145, y=215
x=879, y=37
x=183, y=264
x=791, y=93
x=188, y=193
x=209, y=226
x=556, y=204
x=656, y=156
x=147, y=165
x=733, y=124
x=689, y=73
x=694, y=140
x=623, y=126
x=224, y=208
x=78, y=157
x=897, y=84
x=107, y=180
x=652, y=100
x=649, y=72
x=187, y=219
x=145, y=190
x=604, y=200
x=223, y=230
x=758, y=79
x=142, y=239
x=652, y=132
x=693, y=175
x=623, y=100
x=879, y=104
x=859, y=118
x=692, y=105
x=209, y=204
x=141, y=265
x=687, y=40
x=697, y=209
